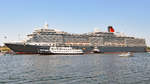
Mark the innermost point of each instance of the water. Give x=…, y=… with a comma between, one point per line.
x=75, y=69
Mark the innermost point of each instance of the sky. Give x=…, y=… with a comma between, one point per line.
x=20, y=17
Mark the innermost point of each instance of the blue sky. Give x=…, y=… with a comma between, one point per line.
x=20, y=17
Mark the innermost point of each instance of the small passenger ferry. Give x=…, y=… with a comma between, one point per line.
x=61, y=50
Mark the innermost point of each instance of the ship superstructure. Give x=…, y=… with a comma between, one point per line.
x=104, y=41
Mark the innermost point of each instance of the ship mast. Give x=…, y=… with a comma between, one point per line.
x=46, y=25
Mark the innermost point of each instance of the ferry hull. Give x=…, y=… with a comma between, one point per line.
x=34, y=49
x=61, y=53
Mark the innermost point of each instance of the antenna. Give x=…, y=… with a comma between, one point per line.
x=19, y=37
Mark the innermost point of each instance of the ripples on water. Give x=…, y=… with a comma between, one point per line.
x=76, y=69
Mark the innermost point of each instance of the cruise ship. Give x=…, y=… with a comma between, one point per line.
x=104, y=42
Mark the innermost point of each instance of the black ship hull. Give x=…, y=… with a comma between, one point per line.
x=22, y=48
x=34, y=49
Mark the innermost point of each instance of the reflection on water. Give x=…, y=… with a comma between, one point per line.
x=75, y=69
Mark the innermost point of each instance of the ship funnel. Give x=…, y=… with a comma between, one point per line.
x=111, y=29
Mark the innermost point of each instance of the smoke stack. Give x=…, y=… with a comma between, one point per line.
x=111, y=29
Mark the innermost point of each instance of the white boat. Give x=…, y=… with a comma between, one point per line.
x=61, y=50
x=128, y=54
x=1, y=54
x=96, y=50
x=148, y=52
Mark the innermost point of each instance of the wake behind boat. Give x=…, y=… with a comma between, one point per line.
x=128, y=54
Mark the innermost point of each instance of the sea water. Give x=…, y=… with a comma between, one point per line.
x=75, y=69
